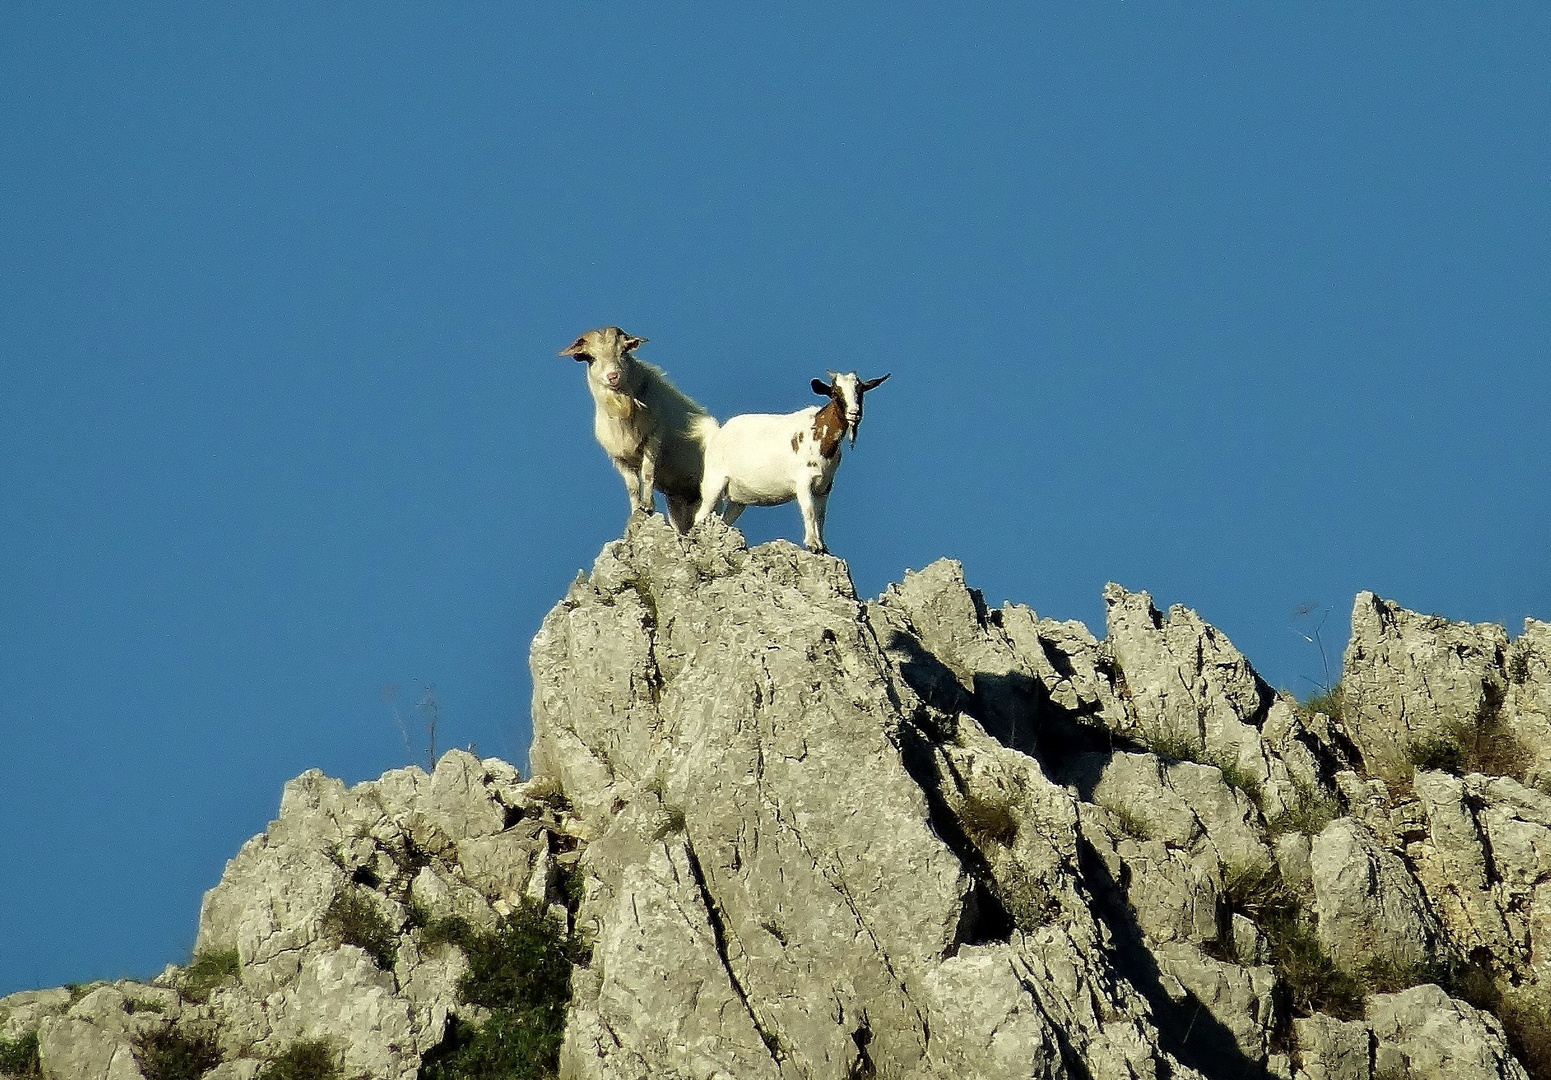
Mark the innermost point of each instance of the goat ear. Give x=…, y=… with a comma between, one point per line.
x=630, y=344
x=870, y=383
x=579, y=345
x=821, y=388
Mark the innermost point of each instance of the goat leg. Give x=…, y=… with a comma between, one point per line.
x=812, y=532
x=647, y=503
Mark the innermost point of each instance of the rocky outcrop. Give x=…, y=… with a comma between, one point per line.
x=317, y=930
x=1421, y=1032
x=785, y=832
x=767, y=806
x=1407, y=677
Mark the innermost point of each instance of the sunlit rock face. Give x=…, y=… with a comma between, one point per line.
x=786, y=832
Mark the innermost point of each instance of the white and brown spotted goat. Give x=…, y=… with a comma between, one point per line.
x=655, y=436
x=763, y=459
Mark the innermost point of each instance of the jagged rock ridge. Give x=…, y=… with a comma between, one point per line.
x=807, y=835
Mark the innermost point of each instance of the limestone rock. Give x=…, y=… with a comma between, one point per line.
x=409, y=847
x=1456, y=871
x=1406, y=676
x=808, y=836
x=952, y=651
x=1187, y=682
x=770, y=815
x=1331, y=1049
x=343, y=996
x=1368, y=904
x=1192, y=695
x=664, y=1002
x=987, y=1025
x=1527, y=706
x=23, y=1012
x=76, y=1049
x=1424, y=1032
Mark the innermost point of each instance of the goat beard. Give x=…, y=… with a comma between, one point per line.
x=620, y=406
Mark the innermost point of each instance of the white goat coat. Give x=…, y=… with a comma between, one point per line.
x=653, y=418
x=755, y=476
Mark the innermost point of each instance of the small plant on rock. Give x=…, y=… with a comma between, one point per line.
x=1483, y=744
x=310, y=1059
x=1518, y=664
x=1175, y=745
x=354, y=919
x=1029, y=906
x=1387, y=975
x=209, y=970
x=1308, y=812
x=1442, y=751
x=1311, y=615
x=447, y=930
x=1129, y=822
x=1241, y=779
x=988, y=821
x=1313, y=982
x=19, y=1057
x=171, y=1053
x=1329, y=702
x=1256, y=891
x=573, y=884
x=521, y=972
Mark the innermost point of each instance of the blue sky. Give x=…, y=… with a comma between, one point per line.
x=1245, y=305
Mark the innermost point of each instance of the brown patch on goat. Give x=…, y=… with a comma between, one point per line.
x=829, y=427
x=796, y=442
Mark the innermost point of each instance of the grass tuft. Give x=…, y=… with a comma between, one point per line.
x=1313, y=982
x=1331, y=703
x=1029, y=906
x=207, y=971
x=1483, y=744
x=19, y=1057
x=1130, y=823
x=1243, y=780
x=170, y=1053
x=353, y=919
x=310, y=1059
x=521, y=972
x=1308, y=813
x=1175, y=745
x=448, y=930
x=1518, y=664
x=988, y=822
x=1385, y=975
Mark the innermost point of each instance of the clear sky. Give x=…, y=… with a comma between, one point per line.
x=1244, y=304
